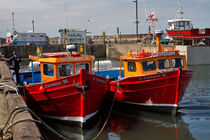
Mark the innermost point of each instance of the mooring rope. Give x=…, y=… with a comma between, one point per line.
x=6, y=84
x=21, y=109
x=105, y=123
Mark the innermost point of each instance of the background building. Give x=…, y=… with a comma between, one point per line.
x=73, y=36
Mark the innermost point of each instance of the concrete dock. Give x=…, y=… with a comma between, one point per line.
x=21, y=124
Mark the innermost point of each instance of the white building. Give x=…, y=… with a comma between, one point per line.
x=73, y=36
x=27, y=39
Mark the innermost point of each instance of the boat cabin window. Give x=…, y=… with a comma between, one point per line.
x=48, y=69
x=187, y=23
x=182, y=24
x=177, y=62
x=163, y=64
x=132, y=66
x=65, y=70
x=149, y=65
x=80, y=66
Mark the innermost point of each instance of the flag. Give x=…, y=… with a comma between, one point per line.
x=152, y=15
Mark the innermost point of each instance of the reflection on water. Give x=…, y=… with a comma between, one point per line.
x=130, y=124
x=191, y=123
x=196, y=103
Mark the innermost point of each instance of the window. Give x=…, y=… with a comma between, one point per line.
x=176, y=24
x=177, y=62
x=132, y=66
x=163, y=64
x=80, y=66
x=65, y=70
x=48, y=69
x=182, y=23
x=149, y=65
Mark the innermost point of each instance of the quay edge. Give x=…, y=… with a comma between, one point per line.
x=10, y=101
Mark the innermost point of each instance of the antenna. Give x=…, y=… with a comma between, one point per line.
x=66, y=17
x=33, y=25
x=13, y=22
x=181, y=10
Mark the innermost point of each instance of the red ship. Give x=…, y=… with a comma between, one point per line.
x=182, y=30
x=153, y=80
x=68, y=91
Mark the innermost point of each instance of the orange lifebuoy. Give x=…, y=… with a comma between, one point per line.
x=141, y=54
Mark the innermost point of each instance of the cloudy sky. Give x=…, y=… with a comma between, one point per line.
x=96, y=15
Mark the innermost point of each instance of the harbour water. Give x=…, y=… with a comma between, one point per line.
x=191, y=123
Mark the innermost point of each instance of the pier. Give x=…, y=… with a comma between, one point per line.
x=15, y=121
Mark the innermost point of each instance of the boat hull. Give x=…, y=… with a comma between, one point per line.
x=65, y=99
x=194, y=33
x=160, y=92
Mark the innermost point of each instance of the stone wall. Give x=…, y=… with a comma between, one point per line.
x=116, y=50
x=97, y=50
x=196, y=55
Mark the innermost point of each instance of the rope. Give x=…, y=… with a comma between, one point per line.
x=9, y=118
x=26, y=120
x=145, y=10
x=21, y=109
x=105, y=123
x=83, y=92
x=4, y=84
x=160, y=25
x=50, y=128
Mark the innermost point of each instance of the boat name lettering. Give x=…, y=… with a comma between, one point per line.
x=99, y=80
x=163, y=53
x=65, y=81
x=180, y=34
x=163, y=75
x=70, y=59
x=151, y=77
x=53, y=84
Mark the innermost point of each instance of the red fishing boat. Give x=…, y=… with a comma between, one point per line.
x=181, y=29
x=68, y=90
x=152, y=80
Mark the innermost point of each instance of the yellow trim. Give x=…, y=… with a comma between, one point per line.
x=139, y=67
x=33, y=58
x=63, y=60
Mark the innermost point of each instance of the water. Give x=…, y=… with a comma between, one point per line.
x=191, y=123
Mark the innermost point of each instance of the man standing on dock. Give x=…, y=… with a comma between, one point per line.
x=16, y=64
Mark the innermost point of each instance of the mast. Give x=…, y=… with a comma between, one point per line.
x=13, y=22
x=64, y=37
x=181, y=10
x=33, y=26
x=137, y=21
x=156, y=35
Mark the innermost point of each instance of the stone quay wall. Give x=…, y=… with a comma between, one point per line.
x=196, y=55
x=98, y=50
